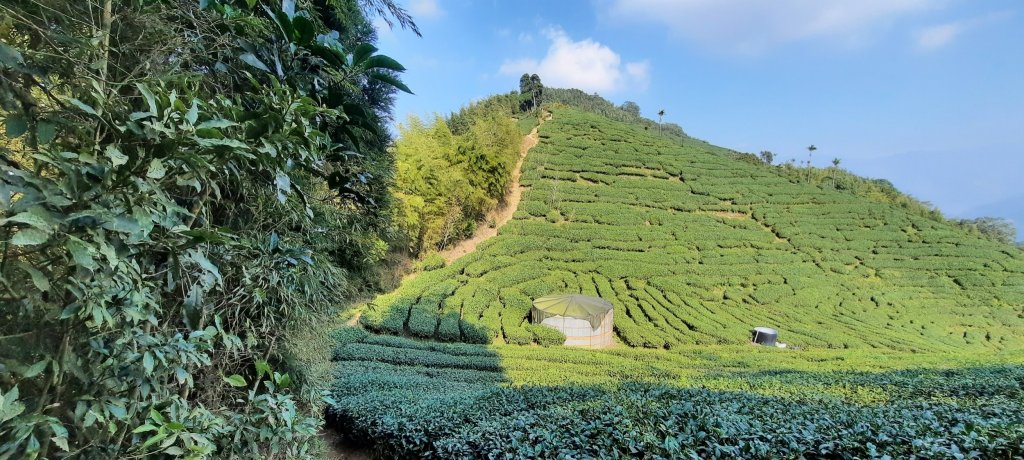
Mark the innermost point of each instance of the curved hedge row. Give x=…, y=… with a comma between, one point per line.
x=704, y=402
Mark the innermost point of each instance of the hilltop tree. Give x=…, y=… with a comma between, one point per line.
x=767, y=156
x=661, y=114
x=993, y=228
x=631, y=108
x=835, y=169
x=531, y=92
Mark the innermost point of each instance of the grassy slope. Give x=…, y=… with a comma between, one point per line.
x=695, y=247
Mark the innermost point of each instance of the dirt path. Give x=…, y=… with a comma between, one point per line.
x=504, y=213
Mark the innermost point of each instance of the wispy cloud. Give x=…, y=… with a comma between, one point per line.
x=938, y=36
x=754, y=26
x=934, y=37
x=584, y=64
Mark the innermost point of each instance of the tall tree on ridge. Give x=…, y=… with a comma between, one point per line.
x=661, y=114
x=538, y=90
x=810, y=150
x=835, y=168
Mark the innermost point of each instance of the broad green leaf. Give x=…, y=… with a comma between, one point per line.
x=304, y=29
x=108, y=252
x=30, y=237
x=45, y=133
x=38, y=278
x=149, y=97
x=147, y=362
x=36, y=369
x=193, y=113
x=81, y=252
x=188, y=181
x=70, y=311
x=235, y=380
x=61, y=442
x=385, y=78
x=284, y=185
x=116, y=157
x=254, y=61
x=144, y=428
x=83, y=106
x=16, y=126
x=233, y=143
x=156, y=169
x=262, y=368
x=284, y=380
x=117, y=410
x=200, y=259
x=381, y=61
x=216, y=123
x=363, y=51
x=155, y=439
x=36, y=217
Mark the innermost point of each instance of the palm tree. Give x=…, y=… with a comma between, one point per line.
x=835, y=168
x=661, y=114
x=810, y=150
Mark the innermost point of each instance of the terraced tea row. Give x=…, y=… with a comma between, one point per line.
x=414, y=399
x=695, y=247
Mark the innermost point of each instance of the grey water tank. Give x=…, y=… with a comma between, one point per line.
x=764, y=336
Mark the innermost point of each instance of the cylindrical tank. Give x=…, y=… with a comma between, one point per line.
x=764, y=336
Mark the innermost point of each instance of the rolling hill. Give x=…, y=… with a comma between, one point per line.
x=904, y=330
x=697, y=247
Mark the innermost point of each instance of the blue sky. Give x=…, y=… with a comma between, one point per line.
x=926, y=93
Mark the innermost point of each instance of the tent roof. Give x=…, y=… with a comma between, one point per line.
x=580, y=306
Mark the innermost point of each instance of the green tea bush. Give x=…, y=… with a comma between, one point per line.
x=732, y=402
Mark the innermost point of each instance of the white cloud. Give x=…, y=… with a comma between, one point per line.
x=425, y=9
x=752, y=26
x=585, y=64
x=935, y=37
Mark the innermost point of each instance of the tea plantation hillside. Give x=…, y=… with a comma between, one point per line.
x=696, y=247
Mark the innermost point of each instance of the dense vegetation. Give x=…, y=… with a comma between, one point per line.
x=182, y=185
x=694, y=246
x=451, y=173
x=421, y=399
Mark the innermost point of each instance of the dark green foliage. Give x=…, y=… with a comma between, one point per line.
x=415, y=403
x=180, y=188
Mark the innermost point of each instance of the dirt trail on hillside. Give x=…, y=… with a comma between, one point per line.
x=504, y=212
